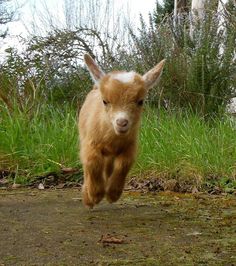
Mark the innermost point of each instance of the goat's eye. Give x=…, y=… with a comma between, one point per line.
x=140, y=103
x=105, y=103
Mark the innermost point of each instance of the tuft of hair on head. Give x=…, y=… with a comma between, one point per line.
x=124, y=77
x=95, y=71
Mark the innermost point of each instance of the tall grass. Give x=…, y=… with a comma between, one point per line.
x=39, y=144
x=183, y=144
x=180, y=144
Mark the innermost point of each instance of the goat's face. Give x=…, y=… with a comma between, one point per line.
x=123, y=94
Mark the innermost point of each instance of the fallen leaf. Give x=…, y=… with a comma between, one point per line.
x=4, y=181
x=60, y=186
x=195, y=190
x=171, y=185
x=69, y=170
x=80, y=199
x=194, y=234
x=109, y=239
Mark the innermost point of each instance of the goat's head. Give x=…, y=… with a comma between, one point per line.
x=123, y=93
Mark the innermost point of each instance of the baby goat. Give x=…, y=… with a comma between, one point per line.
x=108, y=126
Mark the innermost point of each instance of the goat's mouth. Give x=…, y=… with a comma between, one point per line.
x=121, y=130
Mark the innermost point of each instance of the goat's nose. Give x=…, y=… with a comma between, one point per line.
x=121, y=122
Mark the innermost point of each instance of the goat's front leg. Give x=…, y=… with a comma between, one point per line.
x=115, y=183
x=93, y=187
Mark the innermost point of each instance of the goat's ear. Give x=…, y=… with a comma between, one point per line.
x=94, y=70
x=152, y=77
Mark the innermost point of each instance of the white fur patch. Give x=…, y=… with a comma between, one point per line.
x=119, y=115
x=122, y=115
x=124, y=77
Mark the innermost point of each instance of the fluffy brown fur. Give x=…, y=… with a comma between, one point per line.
x=108, y=126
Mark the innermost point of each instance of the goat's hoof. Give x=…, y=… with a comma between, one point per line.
x=97, y=196
x=86, y=199
x=87, y=202
x=113, y=195
x=90, y=198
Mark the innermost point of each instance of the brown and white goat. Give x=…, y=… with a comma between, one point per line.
x=108, y=127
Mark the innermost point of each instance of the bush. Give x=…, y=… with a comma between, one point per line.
x=200, y=73
x=197, y=74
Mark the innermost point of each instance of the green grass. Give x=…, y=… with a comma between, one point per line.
x=184, y=144
x=177, y=144
x=38, y=144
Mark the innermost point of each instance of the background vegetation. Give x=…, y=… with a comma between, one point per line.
x=186, y=131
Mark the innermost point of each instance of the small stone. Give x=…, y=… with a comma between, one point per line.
x=15, y=186
x=41, y=186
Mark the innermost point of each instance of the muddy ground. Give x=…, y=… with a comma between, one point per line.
x=51, y=227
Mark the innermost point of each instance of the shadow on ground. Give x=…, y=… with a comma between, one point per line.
x=53, y=228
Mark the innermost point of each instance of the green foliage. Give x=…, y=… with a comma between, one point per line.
x=166, y=9
x=34, y=78
x=199, y=73
x=172, y=144
x=38, y=144
x=162, y=10
x=40, y=87
x=183, y=144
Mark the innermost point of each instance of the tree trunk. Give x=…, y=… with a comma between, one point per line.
x=180, y=6
x=221, y=14
x=197, y=14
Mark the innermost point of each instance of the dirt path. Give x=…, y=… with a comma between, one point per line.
x=53, y=228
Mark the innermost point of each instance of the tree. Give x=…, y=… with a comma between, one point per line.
x=162, y=10
x=181, y=6
x=6, y=15
x=197, y=15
